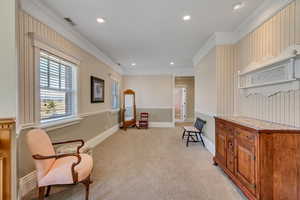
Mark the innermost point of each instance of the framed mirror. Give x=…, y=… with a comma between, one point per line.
x=129, y=109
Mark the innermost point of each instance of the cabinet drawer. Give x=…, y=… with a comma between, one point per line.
x=245, y=135
x=225, y=127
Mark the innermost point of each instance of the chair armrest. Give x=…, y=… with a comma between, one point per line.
x=57, y=156
x=71, y=141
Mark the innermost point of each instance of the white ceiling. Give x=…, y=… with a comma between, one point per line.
x=151, y=33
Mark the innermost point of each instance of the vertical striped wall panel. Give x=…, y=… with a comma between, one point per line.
x=270, y=39
x=225, y=79
x=298, y=22
x=89, y=65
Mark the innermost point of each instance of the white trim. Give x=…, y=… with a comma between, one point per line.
x=92, y=143
x=28, y=182
x=218, y=38
x=44, y=44
x=26, y=126
x=161, y=124
x=209, y=145
x=39, y=11
x=154, y=107
x=178, y=71
x=265, y=11
x=52, y=125
x=289, y=53
x=59, y=123
x=115, y=110
x=83, y=115
x=206, y=113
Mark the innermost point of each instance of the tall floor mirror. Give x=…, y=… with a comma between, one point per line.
x=129, y=109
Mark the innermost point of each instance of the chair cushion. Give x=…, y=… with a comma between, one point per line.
x=61, y=173
x=191, y=129
x=39, y=143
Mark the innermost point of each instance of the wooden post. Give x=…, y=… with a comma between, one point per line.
x=7, y=126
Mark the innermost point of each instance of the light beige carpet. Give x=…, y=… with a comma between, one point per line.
x=152, y=164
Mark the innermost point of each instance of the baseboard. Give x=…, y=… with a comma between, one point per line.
x=29, y=182
x=101, y=137
x=210, y=146
x=161, y=124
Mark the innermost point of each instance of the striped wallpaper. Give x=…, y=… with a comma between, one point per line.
x=270, y=39
x=89, y=65
x=225, y=79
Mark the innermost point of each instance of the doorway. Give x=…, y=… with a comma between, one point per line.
x=184, y=101
x=180, y=104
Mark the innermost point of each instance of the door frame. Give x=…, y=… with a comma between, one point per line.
x=184, y=115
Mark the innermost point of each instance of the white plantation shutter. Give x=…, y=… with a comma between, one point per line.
x=56, y=87
x=115, y=94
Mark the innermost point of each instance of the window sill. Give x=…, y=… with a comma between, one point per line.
x=59, y=123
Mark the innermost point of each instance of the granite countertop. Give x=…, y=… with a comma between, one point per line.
x=258, y=124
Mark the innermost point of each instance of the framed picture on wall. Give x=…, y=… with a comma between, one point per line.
x=97, y=90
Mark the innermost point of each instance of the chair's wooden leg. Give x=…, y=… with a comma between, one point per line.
x=48, y=191
x=183, y=134
x=188, y=139
x=201, y=139
x=87, y=183
x=41, y=193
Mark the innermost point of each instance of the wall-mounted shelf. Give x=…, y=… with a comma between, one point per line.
x=274, y=75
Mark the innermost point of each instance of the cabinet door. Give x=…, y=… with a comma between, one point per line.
x=245, y=167
x=221, y=146
x=230, y=153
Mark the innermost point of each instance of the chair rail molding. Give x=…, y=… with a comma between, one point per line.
x=272, y=75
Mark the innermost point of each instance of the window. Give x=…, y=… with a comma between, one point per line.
x=115, y=95
x=57, y=88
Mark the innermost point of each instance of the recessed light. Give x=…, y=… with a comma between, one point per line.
x=172, y=63
x=133, y=64
x=186, y=18
x=238, y=6
x=101, y=20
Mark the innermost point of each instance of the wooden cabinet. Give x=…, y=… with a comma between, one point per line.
x=7, y=128
x=261, y=158
x=221, y=146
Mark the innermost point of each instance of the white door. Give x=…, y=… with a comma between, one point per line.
x=180, y=104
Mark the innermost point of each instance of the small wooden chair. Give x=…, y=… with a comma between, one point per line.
x=58, y=169
x=194, y=131
x=144, y=120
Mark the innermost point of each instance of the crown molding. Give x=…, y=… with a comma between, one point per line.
x=177, y=71
x=265, y=11
x=41, y=12
x=218, y=38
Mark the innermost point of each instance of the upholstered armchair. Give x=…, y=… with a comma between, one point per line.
x=58, y=169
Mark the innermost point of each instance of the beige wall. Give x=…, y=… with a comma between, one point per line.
x=206, y=91
x=8, y=68
x=225, y=59
x=96, y=117
x=189, y=83
x=151, y=91
x=154, y=94
x=89, y=65
x=206, y=84
x=270, y=39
